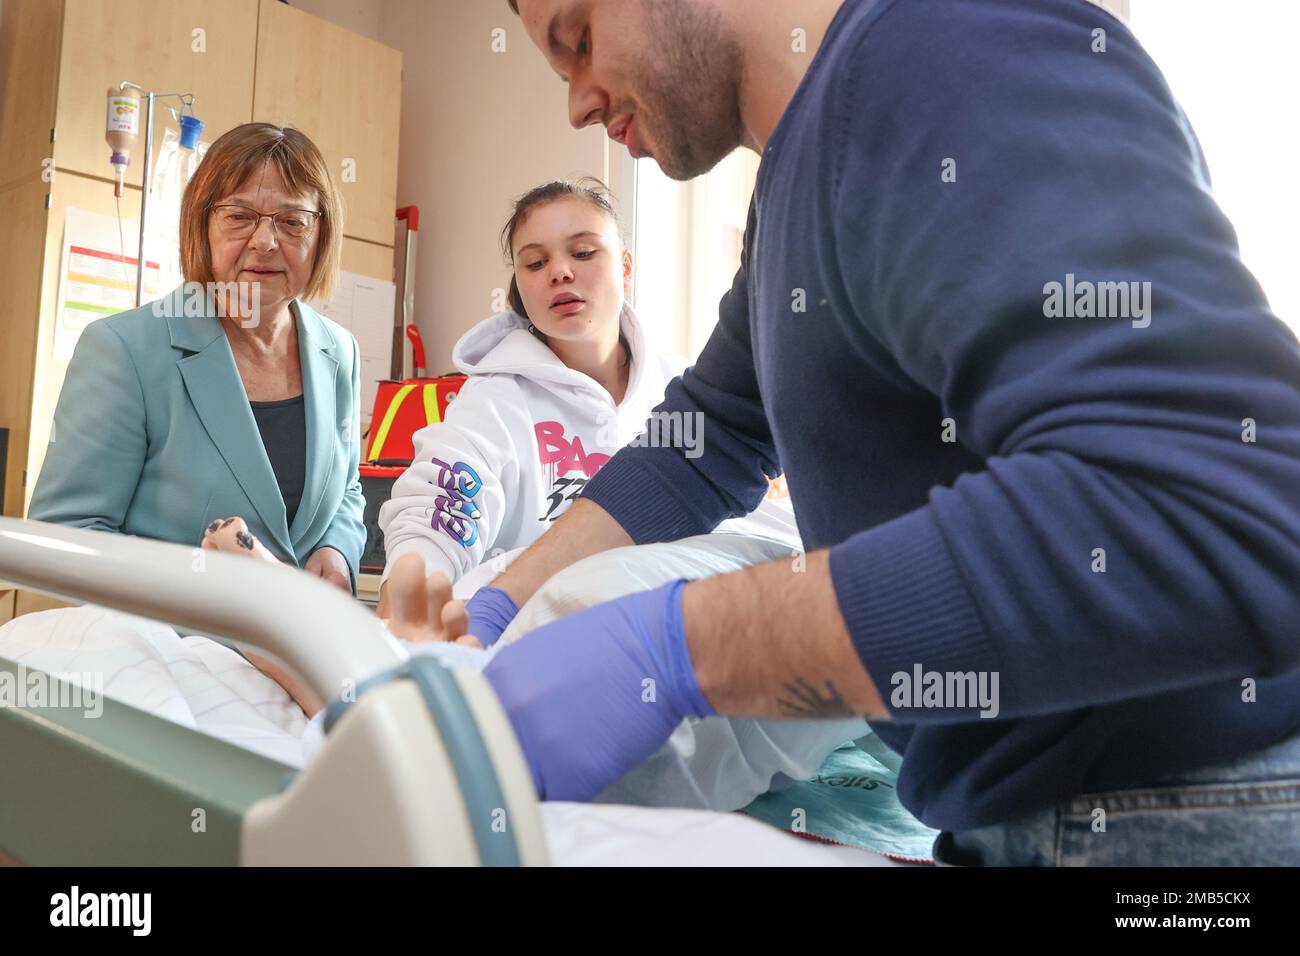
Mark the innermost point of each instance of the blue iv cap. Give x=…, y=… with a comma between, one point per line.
x=191, y=127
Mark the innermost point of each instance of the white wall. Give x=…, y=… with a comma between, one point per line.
x=1119, y=8
x=478, y=129
x=1236, y=76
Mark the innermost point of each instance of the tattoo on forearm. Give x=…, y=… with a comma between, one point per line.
x=810, y=702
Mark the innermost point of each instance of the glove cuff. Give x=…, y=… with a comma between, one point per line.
x=686, y=688
x=490, y=612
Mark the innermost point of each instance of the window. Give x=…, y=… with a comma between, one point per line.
x=687, y=247
x=1232, y=67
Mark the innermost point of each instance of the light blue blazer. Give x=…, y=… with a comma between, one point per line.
x=153, y=436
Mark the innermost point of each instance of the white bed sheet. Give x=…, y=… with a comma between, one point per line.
x=193, y=681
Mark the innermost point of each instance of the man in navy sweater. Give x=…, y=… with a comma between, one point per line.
x=1041, y=431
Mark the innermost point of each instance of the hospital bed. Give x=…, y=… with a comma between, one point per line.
x=420, y=764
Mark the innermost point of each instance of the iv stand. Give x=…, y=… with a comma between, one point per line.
x=187, y=100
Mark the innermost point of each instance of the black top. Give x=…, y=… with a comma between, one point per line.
x=283, y=426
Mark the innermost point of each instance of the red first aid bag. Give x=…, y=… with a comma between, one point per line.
x=402, y=409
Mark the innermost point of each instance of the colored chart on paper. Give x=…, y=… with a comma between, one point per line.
x=96, y=277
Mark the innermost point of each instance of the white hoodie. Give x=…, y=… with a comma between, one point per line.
x=523, y=437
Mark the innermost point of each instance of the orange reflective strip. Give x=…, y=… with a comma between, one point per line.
x=382, y=435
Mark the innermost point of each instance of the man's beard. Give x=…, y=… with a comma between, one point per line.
x=689, y=80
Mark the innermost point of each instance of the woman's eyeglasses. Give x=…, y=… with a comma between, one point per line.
x=240, y=222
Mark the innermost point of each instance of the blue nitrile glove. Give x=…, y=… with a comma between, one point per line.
x=490, y=612
x=592, y=695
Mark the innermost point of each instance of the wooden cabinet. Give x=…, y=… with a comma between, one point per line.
x=29, y=602
x=253, y=59
x=7, y=592
x=24, y=231
x=344, y=92
x=29, y=40
x=174, y=46
x=368, y=259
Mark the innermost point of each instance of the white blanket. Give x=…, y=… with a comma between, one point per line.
x=191, y=680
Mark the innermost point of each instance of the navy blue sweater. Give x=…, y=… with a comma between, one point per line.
x=943, y=163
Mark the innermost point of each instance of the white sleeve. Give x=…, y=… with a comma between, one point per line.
x=449, y=506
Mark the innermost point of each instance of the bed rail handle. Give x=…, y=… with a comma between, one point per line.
x=315, y=630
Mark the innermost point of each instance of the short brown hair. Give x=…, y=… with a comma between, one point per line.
x=228, y=163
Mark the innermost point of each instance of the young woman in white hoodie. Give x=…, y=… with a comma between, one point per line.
x=556, y=386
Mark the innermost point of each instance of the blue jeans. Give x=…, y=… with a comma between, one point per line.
x=1242, y=813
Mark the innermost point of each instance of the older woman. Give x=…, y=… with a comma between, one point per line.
x=228, y=410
